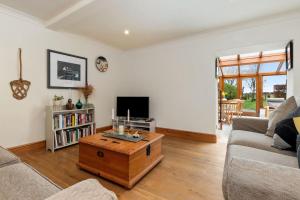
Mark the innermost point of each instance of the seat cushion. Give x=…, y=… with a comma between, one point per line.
x=19, y=181
x=7, y=158
x=255, y=140
x=249, y=153
x=89, y=189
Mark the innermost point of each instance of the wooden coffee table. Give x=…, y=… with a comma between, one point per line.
x=120, y=161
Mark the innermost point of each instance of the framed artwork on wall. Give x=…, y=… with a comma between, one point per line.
x=66, y=70
x=289, y=55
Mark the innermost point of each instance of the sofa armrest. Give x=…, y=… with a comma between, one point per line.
x=249, y=179
x=7, y=158
x=89, y=189
x=253, y=124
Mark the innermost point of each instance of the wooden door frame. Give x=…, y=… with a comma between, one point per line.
x=239, y=91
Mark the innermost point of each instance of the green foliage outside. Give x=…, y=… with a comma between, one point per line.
x=249, y=105
x=230, y=91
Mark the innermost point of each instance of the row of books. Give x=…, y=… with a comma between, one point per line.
x=71, y=136
x=73, y=119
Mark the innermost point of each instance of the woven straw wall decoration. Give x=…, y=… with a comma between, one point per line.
x=20, y=87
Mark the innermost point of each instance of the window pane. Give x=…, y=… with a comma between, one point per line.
x=248, y=69
x=249, y=94
x=270, y=85
x=230, y=88
x=268, y=67
x=230, y=70
x=283, y=67
x=273, y=51
x=274, y=87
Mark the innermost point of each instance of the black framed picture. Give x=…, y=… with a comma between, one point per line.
x=66, y=70
x=289, y=57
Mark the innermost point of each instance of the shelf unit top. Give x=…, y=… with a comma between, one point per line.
x=75, y=110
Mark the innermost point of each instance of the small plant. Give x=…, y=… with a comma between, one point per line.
x=57, y=98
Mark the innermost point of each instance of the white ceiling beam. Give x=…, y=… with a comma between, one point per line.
x=76, y=7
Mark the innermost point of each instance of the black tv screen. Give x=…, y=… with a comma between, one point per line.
x=138, y=106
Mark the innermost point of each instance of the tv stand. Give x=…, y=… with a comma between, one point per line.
x=139, y=124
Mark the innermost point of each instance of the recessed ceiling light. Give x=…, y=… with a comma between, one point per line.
x=126, y=32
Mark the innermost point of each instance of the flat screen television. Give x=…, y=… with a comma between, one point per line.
x=138, y=106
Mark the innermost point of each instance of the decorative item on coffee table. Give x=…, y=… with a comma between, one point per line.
x=128, y=135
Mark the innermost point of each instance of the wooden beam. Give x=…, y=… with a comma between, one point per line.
x=221, y=71
x=279, y=66
x=259, y=94
x=279, y=57
x=218, y=61
x=254, y=75
x=258, y=65
x=53, y=22
x=239, y=88
x=238, y=58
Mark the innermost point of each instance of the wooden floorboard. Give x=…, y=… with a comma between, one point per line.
x=190, y=170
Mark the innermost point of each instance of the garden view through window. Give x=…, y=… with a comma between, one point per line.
x=250, y=84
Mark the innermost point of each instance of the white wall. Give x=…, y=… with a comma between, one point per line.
x=179, y=75
x=23, y=122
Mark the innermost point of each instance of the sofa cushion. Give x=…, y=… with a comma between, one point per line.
x=255, y=140
x=254, y=180
x=19, y=181
x=250, y=153
x=280, y=113
x=286, y=133
x=89, y=189
x=7, y=158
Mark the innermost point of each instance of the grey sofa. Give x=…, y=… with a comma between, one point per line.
x=19, y=181
x=254, y=170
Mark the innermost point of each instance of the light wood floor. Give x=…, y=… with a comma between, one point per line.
x=190, y=170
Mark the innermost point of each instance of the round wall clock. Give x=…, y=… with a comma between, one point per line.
x=101, y=64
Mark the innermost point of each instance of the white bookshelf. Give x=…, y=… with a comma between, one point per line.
x=65, y=127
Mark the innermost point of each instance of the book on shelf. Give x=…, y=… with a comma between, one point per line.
x=71, y=119
x=71, y=136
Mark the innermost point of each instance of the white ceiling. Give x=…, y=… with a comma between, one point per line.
x=149, y=21
x=42, y=9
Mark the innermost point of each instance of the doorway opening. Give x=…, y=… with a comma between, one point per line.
x=250, y=84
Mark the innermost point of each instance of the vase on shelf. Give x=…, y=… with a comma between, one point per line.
x=57, y=104
x=79, y=104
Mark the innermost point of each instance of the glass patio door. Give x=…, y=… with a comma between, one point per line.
x=248, y=94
